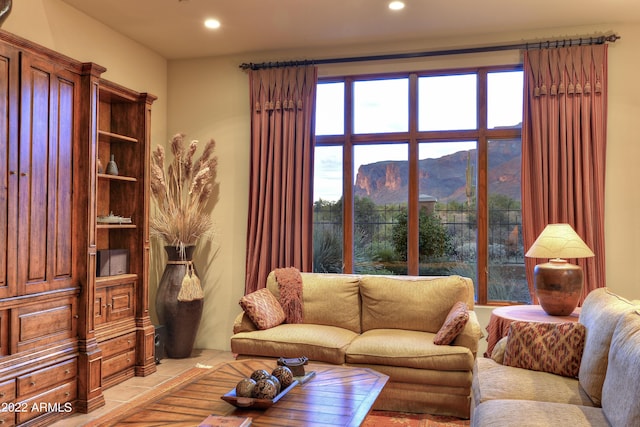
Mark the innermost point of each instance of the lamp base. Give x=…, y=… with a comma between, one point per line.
x=558, y=286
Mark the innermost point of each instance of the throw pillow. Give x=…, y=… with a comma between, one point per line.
x=548, y=347
x=453, y=324
x=497, y=354
x=262, y=308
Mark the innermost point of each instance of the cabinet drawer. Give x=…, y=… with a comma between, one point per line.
x=7, y=419
x=47, y=377
x=57, y=400
x=44, y=323
x=118, y=363
x=118, y=345
x=7, y=391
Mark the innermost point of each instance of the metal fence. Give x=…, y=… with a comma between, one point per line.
x=504, y=232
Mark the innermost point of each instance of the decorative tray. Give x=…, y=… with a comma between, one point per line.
x=113, y=219
x=252, y=402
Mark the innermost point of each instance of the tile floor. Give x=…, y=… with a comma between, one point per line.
x=136, y=386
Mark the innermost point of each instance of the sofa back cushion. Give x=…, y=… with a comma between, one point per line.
x=600, y=313
x=622, y=383
x=328, y=299
x=413, y=303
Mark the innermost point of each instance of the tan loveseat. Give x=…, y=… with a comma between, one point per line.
x=606, y=391
x=387, y=323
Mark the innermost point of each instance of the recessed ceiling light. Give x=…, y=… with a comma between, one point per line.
x=212, y=23
x=396, y=5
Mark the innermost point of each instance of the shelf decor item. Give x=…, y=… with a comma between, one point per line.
x=180, y=219
x=558, y=284
x=112, y=167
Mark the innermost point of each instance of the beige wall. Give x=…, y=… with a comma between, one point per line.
x=209, y=99
x=58, y=26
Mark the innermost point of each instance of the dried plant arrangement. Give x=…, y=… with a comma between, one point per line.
x=181, y=193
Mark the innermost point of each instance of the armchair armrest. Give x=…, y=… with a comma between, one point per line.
x=243, y=323
x=471, y=334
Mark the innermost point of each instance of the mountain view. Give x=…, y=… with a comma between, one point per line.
x=444, y=178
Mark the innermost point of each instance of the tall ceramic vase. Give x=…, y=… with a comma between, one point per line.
x=180, y=319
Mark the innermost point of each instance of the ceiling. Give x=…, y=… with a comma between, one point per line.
x=174, y=28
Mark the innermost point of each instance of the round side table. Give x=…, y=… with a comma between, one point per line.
x=502, y=317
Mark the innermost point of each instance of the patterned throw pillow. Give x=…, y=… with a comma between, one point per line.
x=263, y=308
x=548, y=347
x=453, y=324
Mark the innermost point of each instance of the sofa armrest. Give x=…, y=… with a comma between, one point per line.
x=471, y=334
x=243, y=323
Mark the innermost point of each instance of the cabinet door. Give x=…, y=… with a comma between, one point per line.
x=48, y=95
x=9, y=79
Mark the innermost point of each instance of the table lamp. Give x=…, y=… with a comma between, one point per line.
x=557, y=283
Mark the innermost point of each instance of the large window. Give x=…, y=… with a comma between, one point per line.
x=419, y=173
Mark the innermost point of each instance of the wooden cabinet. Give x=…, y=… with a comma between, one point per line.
x=65, y=333
x=39, y=288
x=122, y=225
x=37, y=173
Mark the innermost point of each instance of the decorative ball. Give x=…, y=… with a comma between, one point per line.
x=276, y=381
x=284, y=375
x=259, y=374
x=245, y=387
x=265, y=389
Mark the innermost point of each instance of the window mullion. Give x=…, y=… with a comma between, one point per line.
x=413, y=226
x=347, y=173
x=482, y=192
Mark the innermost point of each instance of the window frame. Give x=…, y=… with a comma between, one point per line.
x=413, y=138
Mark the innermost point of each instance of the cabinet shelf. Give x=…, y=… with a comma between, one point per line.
x=114, y=226
x=114, y=280
x=115, y=137
x=117, y=177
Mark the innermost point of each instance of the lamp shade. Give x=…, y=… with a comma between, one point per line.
x=559, y=241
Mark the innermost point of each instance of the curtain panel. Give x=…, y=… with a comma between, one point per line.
x=279, y=226
x=563, y=150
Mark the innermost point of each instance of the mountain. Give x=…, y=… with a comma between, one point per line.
x=444, y=178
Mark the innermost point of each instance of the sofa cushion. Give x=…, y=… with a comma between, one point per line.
x=262, y=308
x=409, y=303
x=622, y=383
x=329, y=299
x=536, y=414
x=548, y=347
x=453, y=324
x=317, y=342
x=411, y=349
x=494, y=381
x=600, y=313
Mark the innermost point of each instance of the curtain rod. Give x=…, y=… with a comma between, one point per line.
x=581, y=41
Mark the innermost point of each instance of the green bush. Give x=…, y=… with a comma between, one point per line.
x=433, y=241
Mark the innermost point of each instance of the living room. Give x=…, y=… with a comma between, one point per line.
x=207, y=98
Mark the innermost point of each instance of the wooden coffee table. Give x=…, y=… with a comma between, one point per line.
x=336, y=396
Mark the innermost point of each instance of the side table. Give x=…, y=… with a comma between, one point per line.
x=502, y=317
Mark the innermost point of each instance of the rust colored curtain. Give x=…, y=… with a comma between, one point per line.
x=279, y=229
x=563, y=150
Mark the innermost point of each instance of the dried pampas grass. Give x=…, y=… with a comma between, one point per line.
x=182, y=192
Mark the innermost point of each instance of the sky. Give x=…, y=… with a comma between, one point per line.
x=445, y=102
